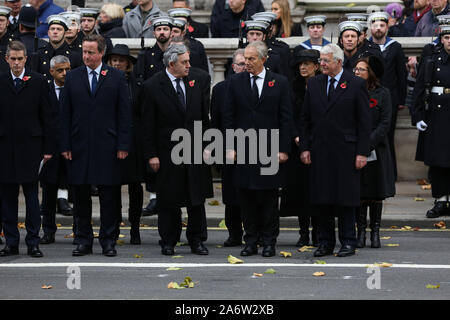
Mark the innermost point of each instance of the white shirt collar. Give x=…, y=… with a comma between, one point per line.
x=56, y=86
x=98, y=69
x=171, y=76
x=21, y=75
x=337, y=77
x=261, y=75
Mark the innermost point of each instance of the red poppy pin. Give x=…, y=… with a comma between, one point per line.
x=271, y=83
x=104, y=72
x=191, y=29
x=373, y=103
x=242, y=24
x=283, y=35
x=344, y=85
x=191, y=83
x=26, y=78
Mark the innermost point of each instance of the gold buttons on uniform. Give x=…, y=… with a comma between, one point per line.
x=46, y=52
x=67, y=52
x=151, y=66
x=438, y=69
x=439, y=106
x=153, y=53
x=44, y=62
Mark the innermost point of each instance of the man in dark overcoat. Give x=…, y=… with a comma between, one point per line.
x=259, y=99
x=334, y=140
x=95, y=137
x=174, y=99
x=26, y=127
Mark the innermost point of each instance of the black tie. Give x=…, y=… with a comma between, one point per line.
x=14, y=20
x=18, y=83
x=331, y=88
x=94, y=81
x=255, y=94
x=180, y=94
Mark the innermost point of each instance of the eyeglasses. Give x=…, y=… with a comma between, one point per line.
x=359, y=70
x=241, y=65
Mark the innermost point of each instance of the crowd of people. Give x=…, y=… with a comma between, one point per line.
x=82, y=117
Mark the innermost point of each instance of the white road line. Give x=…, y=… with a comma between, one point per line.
x=216, y=265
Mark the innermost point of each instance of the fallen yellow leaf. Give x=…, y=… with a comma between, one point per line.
x=441, y=225
x=305, y=249
x=174, y=285
x=421, y=182
x=319, y=274
x=72, y=235
x=187, y=283
x=222, y=224
x=319, y=262
x=183, y=223
x=120, y=242
x=96, y=234
x=177, y=257
x=58, y=225
x=406, y=228
x=385, y=238
x=431, y=286
x=426, y=187
x=234, y=260
x=383, y=265
x=219, y=186
x=270, y=271
x=257, y=274
x=213, y=203
x=122, y=224
x=122, y=236
x=137, y=256
x=286, y=254
x=392, y=245
x=21, y=225
x=44, y=286
x=180, y=244
x=173, y=269
x=419, y=199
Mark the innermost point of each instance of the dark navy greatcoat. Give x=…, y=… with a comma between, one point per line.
x=95, y=126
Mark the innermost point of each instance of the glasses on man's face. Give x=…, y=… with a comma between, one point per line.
x=359, y=70
x=240, y=65
x=325, y=60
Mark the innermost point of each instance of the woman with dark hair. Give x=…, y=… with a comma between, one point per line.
x=377, y=177
x=295, y=196
x=133, y=168
x=283, y=26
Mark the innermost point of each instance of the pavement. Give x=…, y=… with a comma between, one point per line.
x=407, y=208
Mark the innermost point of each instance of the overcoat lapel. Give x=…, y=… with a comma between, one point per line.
x=169, y=91
x=101, y=78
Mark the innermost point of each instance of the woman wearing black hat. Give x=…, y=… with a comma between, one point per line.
x=295, y=196
x=377, y=177
x=134, y=165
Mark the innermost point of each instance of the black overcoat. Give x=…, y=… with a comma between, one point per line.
x=273, y=111
x=95, y=126
x=177, y=185
x=335, y=132
x=26, y=127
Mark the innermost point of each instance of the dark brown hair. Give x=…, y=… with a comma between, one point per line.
x=372, y=81
x=101, y=44
x=16, y=46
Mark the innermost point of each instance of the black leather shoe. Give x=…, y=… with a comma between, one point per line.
x=439, y=209
x=82, y=250
x=268, y=251
x=150, y=209
x=167, y=250
x=200, y=249
x=63, y=207
x=232, y=242
x=323, y=251
x=109, y=251
x=346, y=250
x=47, y=238
x=34, y=252
x=249, y=251
x=9, y=251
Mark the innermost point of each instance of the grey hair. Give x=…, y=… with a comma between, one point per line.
x=260, y=47
x=58, y=60
x=335, y=50
x=237, y=53
x=172, y=53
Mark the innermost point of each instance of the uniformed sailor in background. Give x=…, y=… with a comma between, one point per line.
x=431, y=116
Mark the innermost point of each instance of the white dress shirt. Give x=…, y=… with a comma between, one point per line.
x=98, y=69
x=174, y=82
x=57, y=89
x=259, y=80
x=20, y=76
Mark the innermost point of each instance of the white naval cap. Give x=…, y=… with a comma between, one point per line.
x=349, y=25
x=256, y=25
x=4, y=11
x=57, y=19
x=180, y=12
x=312, y=20
x=267, y=16
x=178, y=23
x=89, y=12
x=378, y=16
x=162, y=20
x=71, y=16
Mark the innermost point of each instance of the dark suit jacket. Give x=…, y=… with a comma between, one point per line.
x=273, y=111
x=55, y=170
x=25, y=127
x=95, y=127
x=176, y=185
x=335, y=132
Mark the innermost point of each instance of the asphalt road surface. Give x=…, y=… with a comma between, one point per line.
x=413, y=260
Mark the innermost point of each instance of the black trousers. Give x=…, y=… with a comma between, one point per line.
x=233, y=221
x=109, y=197
x=49, y=198
x=260, y=215
x=346, y=225
x=9, y=193
x=170, y=227
x=136, y=199
x=440, y=181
